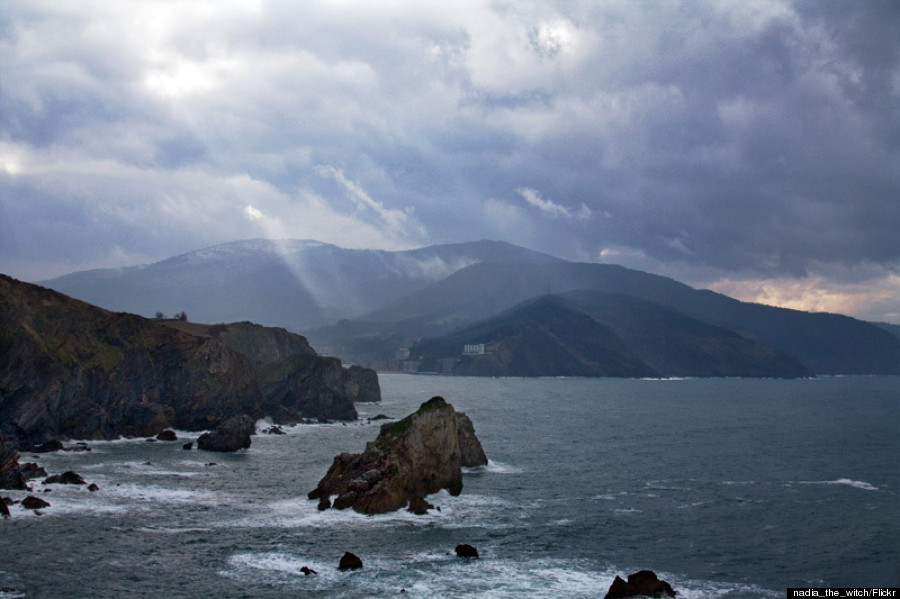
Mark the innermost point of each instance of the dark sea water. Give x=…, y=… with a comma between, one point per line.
x=726, y=488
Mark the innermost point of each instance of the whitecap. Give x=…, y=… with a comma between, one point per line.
x=853, y=483
x=858, y=484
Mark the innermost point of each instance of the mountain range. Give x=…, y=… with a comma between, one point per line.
x=412, y=309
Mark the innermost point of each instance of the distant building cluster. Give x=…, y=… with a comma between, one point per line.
x=402, y=362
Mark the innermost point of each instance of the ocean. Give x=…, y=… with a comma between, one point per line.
x=726, y=488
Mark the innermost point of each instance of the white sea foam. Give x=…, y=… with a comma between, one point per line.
x=455, y=512
x=112, y=498
x=281, y=562
x=853, y=483
x=433, y=574
x=170, y=531
x=494, y=467
x=65, y=500
x=102, y=443
x=283, y=569
x=858, y=484
x=427, y=575
x=707, y=589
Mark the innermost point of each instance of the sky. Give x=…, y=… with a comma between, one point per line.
x=749, y=147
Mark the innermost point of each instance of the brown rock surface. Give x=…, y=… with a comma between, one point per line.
x=410, y=459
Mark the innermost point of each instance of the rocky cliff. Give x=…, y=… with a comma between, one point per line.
x=72, y=370
x=410, y=459
x=294, y=379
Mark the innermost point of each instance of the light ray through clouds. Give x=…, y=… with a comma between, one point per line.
x=752, y=147
x=326, y=289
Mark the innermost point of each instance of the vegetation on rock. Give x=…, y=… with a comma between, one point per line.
x=409, y=460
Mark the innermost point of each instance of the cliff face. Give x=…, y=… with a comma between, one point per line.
x=310, y=386
x=410, y=459
x=295, y=381
x=72, y=370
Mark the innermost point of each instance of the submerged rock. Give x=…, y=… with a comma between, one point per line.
x=643, y=583
x=66, y=478
x=231, y=435
x=409, y=460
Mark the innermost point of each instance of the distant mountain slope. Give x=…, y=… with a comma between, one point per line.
x=590, y=333
x=290, y=283
x=678, y=345
x=544, y=337
x=893, y=329
x=824, y=343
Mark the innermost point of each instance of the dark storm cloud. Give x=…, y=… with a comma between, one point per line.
x=716, y=142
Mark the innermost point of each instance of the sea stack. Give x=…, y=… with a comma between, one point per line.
x=409, y=460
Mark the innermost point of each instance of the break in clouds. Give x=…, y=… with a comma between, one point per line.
x=752, y=147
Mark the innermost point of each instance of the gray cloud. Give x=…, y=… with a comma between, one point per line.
x=715, y=142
